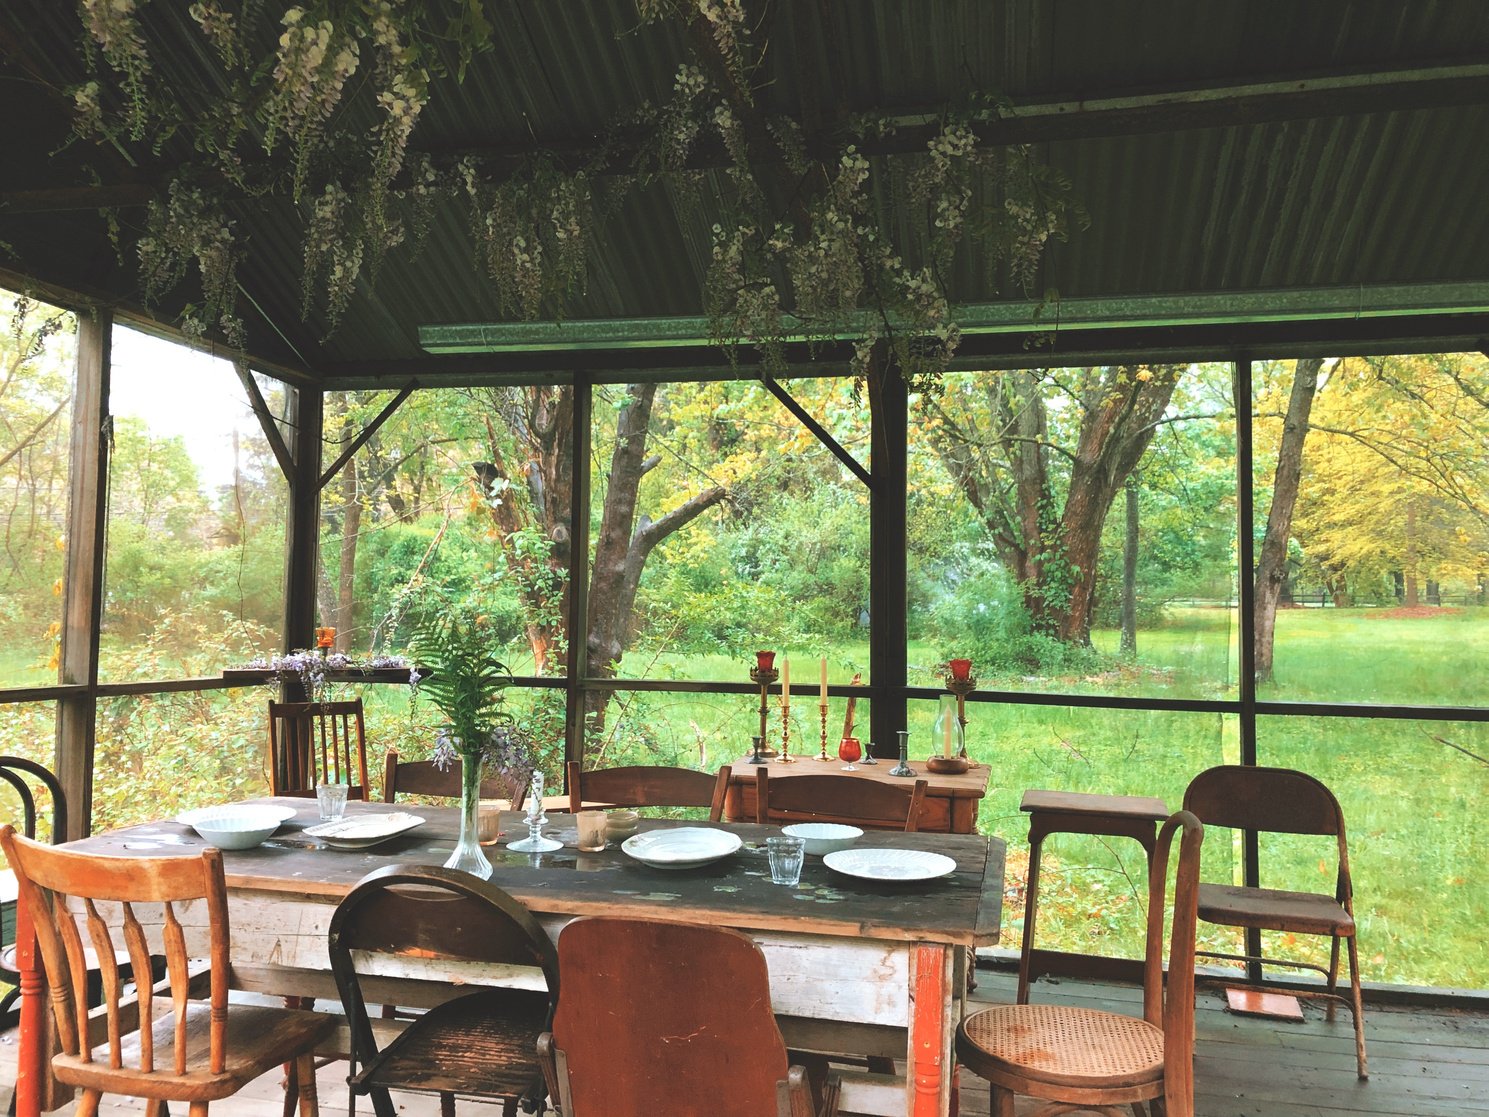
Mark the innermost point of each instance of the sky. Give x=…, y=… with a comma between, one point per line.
x=181, y=391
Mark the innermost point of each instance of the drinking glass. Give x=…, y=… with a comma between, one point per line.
x=332, y=800
x=591, y=831
x=849, y=750
x=786, y=855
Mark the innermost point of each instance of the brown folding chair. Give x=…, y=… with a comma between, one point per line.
x=424, y=777
x=478, y=1044
x=663, y=1017
x=314, y=741
x=1083, y=1058
x=1282, y=801
x=827, y=797
x=648, y=786
x=183, y=1049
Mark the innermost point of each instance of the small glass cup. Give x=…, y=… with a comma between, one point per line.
x=488, y=822
x=786, y=855
x=850, y=751
x=332, y=800
x=591, y=831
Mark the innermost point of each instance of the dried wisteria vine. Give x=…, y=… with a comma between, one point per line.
x=823, y=264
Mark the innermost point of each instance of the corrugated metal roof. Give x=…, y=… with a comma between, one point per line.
x=1369, y=198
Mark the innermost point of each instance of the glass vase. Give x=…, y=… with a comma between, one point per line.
x=468, y=855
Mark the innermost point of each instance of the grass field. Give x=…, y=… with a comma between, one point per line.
x=1413, y=803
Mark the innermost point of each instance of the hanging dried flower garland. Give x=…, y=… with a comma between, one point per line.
x=825, y=267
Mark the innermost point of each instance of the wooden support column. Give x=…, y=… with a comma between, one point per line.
x=82, y=593
x=302, y=547
x=889, y=418
x=578, y=662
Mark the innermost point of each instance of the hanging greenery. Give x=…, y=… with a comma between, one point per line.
x=801, y=246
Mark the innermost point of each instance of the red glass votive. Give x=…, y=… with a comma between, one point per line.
x=765, y=660
x=961, y=669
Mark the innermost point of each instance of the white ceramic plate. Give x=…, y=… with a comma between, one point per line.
x=685, y=847
x=206, y=814
x=890, y=864
x=363, y=830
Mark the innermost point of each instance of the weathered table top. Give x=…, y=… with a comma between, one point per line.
x=963, y=908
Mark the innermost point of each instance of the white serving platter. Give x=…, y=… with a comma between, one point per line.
x=263, y=810
x=685, y=847
x=890, y=864
x=363, y=830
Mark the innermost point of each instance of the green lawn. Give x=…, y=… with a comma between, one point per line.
x=1413, y=803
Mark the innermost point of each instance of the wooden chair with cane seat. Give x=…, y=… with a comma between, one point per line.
x=643, y=785
x=426, y=778
x=184, y=1049
x=666, y=1017
x=827, y=797
x=1079, y=1059
x=1283, y=801
x=311, y=742
x=478, y=1044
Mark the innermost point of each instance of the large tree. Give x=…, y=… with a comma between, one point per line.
x=1042, y=475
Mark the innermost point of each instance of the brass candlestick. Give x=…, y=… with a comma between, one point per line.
x=785, y=757
x=822, y=706
x=763, y=677
x=961, y=688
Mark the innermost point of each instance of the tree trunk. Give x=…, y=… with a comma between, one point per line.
x=1129, y=573
x=1413, y=598
x=1271, y=566
x=346, y=579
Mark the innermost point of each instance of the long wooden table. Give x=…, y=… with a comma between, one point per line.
x=854, y=965
x=950, y=801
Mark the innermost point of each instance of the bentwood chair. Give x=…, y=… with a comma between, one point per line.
x=424, y=777
x=1282, y=801
x=662, y=1017
x=648, y=786
x=314, y=741
x=479, y=1044
x=173, y=1048
x=21, y=773
x=828, y=797
x=1085, y=1059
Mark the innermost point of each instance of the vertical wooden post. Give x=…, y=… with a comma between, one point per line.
x=578, y=661
x=1246, y=575
x=302, y=549
x=82, y=594
x=889, y=423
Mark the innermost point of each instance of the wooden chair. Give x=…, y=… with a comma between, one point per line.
x=1085, y=1059
x=648, y=786
x=1282, y=801
x=662, y=1017
x=314, y=741
x=184, y=1049
x=480, y=1044
x=424, y=777
x=20, y=773
x=827, y=797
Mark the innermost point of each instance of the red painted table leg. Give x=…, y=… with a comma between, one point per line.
x=32, y=1046
x=931, y=1056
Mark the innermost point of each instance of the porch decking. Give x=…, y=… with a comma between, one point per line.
x=1423, y=1063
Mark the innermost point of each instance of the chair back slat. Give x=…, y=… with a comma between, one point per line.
x=827, y=796
x=108, y=974
x=1279, y=800
x=62, y=886
x=139, y=962
x=694, y=998
x=641, y=785
x=311, y=741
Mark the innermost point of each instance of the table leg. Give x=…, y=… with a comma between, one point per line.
x=1031, y=909
x=31, y=1049
x=932, y=1026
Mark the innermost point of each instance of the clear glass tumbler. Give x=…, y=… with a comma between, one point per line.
x=591, y=831
x=332, y=800
x=786, y=854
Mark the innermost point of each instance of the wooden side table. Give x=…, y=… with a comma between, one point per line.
x=951, y=801
x=1072, y=812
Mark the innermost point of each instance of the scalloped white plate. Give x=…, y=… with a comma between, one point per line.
x=890, y=864
x=363, y=830
x=685, y=847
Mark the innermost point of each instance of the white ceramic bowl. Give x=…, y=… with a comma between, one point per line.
x=237, y=827
x=823, y=837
